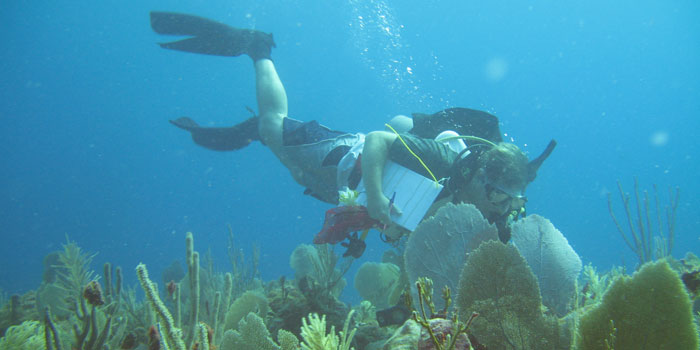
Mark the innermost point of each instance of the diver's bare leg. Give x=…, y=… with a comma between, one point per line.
x=272, y=105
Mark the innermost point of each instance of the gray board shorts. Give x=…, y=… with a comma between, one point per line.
x=317, y=150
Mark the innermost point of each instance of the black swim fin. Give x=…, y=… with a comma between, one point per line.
x=210, y=37
x=221, y=139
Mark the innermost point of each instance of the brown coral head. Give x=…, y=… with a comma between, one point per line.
x=129, y=342
x=171, y=287
x=153, y=338
x=692, y=282
x=475, y=343
x=93, y=294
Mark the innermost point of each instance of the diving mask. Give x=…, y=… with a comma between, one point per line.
x=502, y=198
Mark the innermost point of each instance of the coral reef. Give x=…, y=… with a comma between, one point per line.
x=252, y=334
x=649, y=310
x=320, y=263
x=437, y=249
x=205, y=310
x=173, y=272
x=173, y=333
x=441, y=330
x=250, y=301
x=647, y=244
x=244, y=272
x=376, y=282
x=27, y=336
x=595, y=285
x=72, y=301
x=204, y=296
x=497, y=283
x=66, y=273
x=369, y=335
x=290, y=304
x=96, y=327
x=17, y=309
x=192, y=260
x=88, y=310
x=551, y=259
x=412, y=335
x=314, y=334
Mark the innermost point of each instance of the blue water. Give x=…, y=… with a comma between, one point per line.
x=87, y=151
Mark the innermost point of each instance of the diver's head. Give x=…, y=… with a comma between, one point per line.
x=505, y=168
x=492, y=177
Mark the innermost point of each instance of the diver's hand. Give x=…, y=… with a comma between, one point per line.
x=379, y=208
x=393, y=232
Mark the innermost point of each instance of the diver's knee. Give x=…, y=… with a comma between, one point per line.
x=270, y=130
x=380, y=135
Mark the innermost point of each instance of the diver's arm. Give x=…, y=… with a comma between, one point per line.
x=374, y=155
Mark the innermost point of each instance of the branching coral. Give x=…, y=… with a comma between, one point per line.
x=315, y=338
x=74, y=269
x=52, y=339
x=74, y=296
x=321, y=264
x=173, y=334
x=292, y=304
x=27, y=336
x=139, y=316
x=244, y=271
x=641, y=238
x=203, y=295
x=594, y=284
x=90, y=334
x=444, y=333
x=67, y=273
x=314, y=334
x=17, y=309
x=366, y=313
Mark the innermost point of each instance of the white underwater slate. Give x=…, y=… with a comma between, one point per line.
x=551, y=258
x=414, y=194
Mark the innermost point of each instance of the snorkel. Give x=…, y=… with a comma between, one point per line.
x=535, y=164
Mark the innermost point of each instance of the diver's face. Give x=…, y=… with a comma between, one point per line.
x=489, y=199
x=502, y=201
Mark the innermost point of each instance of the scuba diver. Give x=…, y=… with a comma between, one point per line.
x=490, y=174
